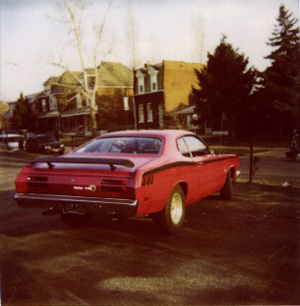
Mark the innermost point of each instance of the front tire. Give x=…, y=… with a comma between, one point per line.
x=171, y=218
x=73, y=220
x=227, y=191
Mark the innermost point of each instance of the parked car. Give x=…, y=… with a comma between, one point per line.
x=12, y=142
x=130, y=173
x=43, y=143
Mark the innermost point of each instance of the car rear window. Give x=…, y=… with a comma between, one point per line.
x=123, y=145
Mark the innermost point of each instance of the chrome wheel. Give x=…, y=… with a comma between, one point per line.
x=176, y=208
x=171, y=218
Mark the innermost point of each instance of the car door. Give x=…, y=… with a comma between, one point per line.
x=191, y=173
x=209, y=170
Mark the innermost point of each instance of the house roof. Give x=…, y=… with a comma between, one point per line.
x=187, y=110
x=50, y=114
x=76, y=112
x=110, y=74
x=52, y=79
x=148, y=68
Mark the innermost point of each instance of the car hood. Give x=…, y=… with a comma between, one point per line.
x=50, y=143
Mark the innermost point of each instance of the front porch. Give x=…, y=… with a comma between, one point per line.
x=76, y=122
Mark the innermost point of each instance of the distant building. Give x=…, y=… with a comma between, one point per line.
x=161, y=89
x=62, y=106
x=10, y=111
x=44, y=105
x=190, y=117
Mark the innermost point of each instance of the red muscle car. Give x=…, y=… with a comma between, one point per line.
x=128, y=173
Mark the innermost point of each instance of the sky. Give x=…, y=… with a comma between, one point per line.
x=34, y=40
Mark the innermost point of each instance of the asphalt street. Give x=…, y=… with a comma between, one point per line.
x=276, y=171
x=245, y=251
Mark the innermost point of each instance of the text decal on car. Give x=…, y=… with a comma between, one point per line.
x=90, y=188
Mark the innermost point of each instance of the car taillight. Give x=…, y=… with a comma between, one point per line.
x=113, y=182
x=37, y=181
x=114, y=185
x=113, y=189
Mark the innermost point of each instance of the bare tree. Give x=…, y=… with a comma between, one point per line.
x=198, y=32
x=74, y=19
x=132, y=39
x=131, y=32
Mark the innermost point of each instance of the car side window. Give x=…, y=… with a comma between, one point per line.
x=183, y=149
x=196, y=146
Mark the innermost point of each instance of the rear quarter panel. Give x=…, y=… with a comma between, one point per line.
x=166, y=174
x=153, y=195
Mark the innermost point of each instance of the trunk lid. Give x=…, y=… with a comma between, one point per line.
x=82, y=175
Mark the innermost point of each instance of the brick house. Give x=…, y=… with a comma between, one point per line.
x=44, y=105
x=162, y=89
x=62, y=106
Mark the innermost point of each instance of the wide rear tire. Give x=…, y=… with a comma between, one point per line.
x=171, y=218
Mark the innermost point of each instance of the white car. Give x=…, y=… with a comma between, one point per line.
x=11, y=142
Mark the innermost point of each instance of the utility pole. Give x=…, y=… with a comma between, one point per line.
x=253, y=161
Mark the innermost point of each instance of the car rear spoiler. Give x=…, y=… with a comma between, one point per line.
x=84, y=160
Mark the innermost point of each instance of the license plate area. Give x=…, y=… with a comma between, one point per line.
x=74, y=208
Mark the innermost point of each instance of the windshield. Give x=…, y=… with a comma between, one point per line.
x=133, y=145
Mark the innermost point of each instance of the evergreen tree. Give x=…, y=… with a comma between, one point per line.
x=281, y=79
x=23, y=117
x=225, y=86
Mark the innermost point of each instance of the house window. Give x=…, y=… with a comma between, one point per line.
x=91, y=80
x=141, y=113
x=78, y=101
x=126, y=103
x=85, y=102
x=44, y=105
x=140, y=77
x=53, y=104
x=47, y=89
x=153, y=80
x=149, y=112
x=141, y=88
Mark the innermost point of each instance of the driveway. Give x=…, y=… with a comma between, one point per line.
x=245, y=251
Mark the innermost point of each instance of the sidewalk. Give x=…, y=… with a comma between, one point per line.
x=257, y=151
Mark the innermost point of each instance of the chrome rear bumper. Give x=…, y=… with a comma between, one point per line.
x=63, y=203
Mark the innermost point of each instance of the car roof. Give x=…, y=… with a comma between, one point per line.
x=10, y=135
x=152, y=133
